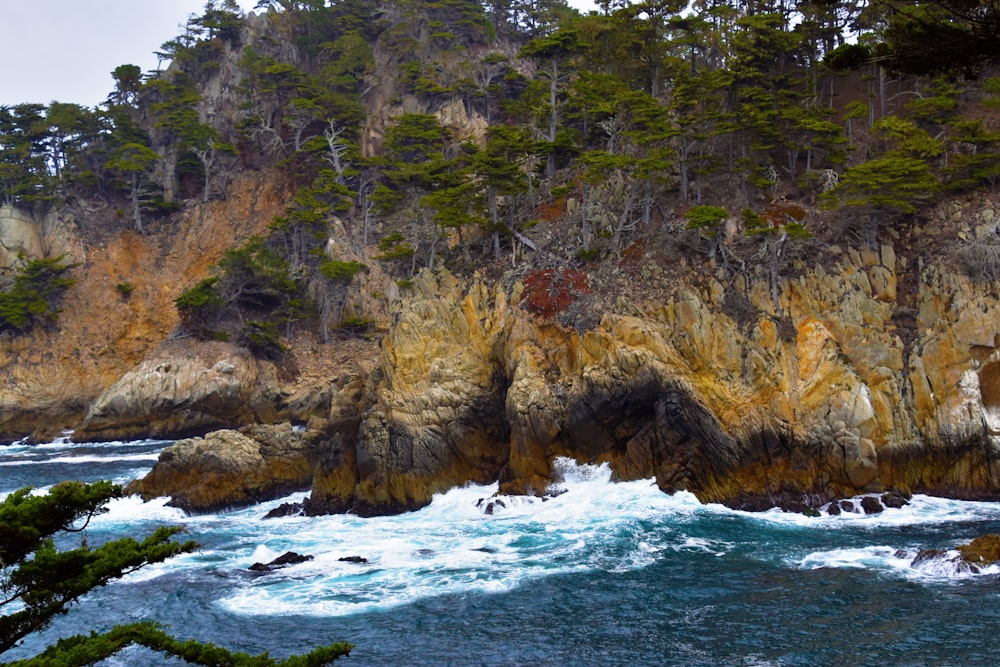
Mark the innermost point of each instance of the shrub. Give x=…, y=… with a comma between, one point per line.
x=336, y=270
x=702, y=217
x=550, y=291
x=34, y=292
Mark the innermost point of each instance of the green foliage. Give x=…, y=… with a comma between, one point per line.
x=263, y=338
x=705, y=217
x=24, y=175
x=355, y=323
x=394, y=247
x=344, y=271
x=891, y=184
x=32, y=295
x=41, y=581
x=202, y=295
x=946, y=36
x=125, y=288
x=255, y=276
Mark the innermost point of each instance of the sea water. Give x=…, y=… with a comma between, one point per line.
x=602, y=573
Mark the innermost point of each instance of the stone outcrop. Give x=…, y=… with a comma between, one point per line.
x=187, y=386
x=981, y=552
x=434, y=416
x=866, y=371
x=228, y=469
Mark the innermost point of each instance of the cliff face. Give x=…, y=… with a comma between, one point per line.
x=849, y=391
x=869, y=371
x=52, y=375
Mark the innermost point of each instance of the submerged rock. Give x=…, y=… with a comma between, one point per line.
x=284, y=560
x=353, y=559
x=973, y=557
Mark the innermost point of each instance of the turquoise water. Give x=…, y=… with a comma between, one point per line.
x=603, y=574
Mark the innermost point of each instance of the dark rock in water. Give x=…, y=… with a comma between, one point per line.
x=493, y=506
x=847, y=506
x=833, y=509
x=285, y=509
x=285, y=559
x=925, y=555
x=353, y=559
x=894, y=500
x=871, y=505
x=486, y=550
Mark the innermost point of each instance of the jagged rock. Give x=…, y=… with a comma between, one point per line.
x=982, y=551
x=926, y=555
x=228, y=469
x=868, y=372
x=282, y=561
x=438, y=414
x=52, y=376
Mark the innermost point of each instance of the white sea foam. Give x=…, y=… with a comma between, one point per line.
x=855, y=558
x=898, y=562
x=454, y=547
x=79, y=460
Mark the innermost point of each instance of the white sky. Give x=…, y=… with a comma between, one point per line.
x=65, y=50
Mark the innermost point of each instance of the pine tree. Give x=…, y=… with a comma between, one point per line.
x=41, y=581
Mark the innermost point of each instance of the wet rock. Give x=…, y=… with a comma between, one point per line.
x=894, y=500
x=282, y=561
x=833, y=509
x=925, y=555
x=984, y=550
x=353, y=559
x=848, y=506
x=285, y=509
x=871, y=505
x=491, y=506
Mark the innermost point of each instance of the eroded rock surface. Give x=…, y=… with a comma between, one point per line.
x=228, y=469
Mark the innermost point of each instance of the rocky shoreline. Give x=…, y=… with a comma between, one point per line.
x=874, y=371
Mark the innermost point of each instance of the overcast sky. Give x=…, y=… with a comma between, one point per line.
x=65, y=50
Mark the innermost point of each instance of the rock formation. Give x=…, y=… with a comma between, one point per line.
x=871, y=372
x=227, y=469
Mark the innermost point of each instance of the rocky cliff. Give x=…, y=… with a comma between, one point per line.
x=872, y=371
x=52, y=375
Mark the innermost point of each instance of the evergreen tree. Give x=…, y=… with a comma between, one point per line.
x=41, y=580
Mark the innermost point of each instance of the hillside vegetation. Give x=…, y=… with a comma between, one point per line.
x=521, y=138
